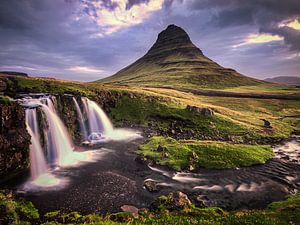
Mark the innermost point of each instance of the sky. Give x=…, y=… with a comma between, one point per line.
x=86, y=40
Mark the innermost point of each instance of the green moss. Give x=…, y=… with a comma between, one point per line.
x=218, y=155
x=162, y=115
x=16, y=212
x=287, y=212
x=5, y=100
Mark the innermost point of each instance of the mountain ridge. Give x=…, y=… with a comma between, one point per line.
x=174, y=61
x=288, y=80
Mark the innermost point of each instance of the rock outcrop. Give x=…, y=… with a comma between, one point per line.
x=14, y=140
x=175, y=201
x=202, y=111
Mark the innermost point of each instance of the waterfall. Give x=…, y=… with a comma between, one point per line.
x=80, y=120
x=99, y=123
x=60, y=150
x=38, y=165
x=60, y=146
x=100, y=126
x=40, y=175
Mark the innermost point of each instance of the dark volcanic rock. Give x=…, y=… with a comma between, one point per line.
x=14, y=140
x=151, y=186
x=173, y=40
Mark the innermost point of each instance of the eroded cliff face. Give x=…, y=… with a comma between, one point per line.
x=14, y=140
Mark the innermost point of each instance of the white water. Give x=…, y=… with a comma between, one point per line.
x=40, y=175
x=80, y=120
x=98, y=121
x=37, y=158
x=59, y=145
x=100, y=127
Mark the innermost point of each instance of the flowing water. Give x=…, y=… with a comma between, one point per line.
x=40, y=173
x=80, y=119
x=59, y=150
x=101, y=128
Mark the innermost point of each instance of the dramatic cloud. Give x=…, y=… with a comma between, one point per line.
x=267, y=15
x=123, y=14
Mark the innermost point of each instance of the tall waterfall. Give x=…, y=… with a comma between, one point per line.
x=39, y=170
x=37, y=158
x=60, y=145
x=80, y=120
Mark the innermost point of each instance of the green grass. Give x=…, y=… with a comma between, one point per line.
x=17, y=211
x=213, y=155
x=162, y=114
x=163, y=108
x=43, y=85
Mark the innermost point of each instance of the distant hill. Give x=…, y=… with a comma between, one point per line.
x=285, y=80
x=174, y=61
x=13, y=73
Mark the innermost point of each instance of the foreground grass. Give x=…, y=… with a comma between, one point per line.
x=208, y=154
x=19, y=212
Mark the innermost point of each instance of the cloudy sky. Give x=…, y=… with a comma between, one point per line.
x=90, y=39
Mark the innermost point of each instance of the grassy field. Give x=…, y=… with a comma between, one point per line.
x=233, y=116
x=179, y=155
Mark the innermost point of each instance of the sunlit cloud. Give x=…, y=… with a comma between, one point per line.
x=295, y=24
x=119, y=17
x=259, y=39
x=84, y=69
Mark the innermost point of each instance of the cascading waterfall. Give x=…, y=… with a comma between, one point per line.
x=37, y=158
x=59, y=145
x=99, y=123
x=80, y=120
x=40, y=174
x=100, y=126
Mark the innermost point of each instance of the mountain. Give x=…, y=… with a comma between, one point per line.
x=174, y=61
x=13, y=73
x=285, y=80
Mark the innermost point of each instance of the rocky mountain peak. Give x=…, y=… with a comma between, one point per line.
x=173, y=38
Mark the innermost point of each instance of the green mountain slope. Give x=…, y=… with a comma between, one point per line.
x=174, y=61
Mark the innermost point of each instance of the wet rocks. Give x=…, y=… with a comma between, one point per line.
x=151, y=186
x=175, y=201
x=193, y=159
x=14, y=140
x=202, y=111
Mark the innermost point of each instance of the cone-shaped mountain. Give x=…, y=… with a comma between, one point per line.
x=174, y=61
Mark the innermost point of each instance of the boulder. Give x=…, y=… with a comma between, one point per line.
x=130, y=209
x=202, y=111
x=151, y=185
x=175, y=201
